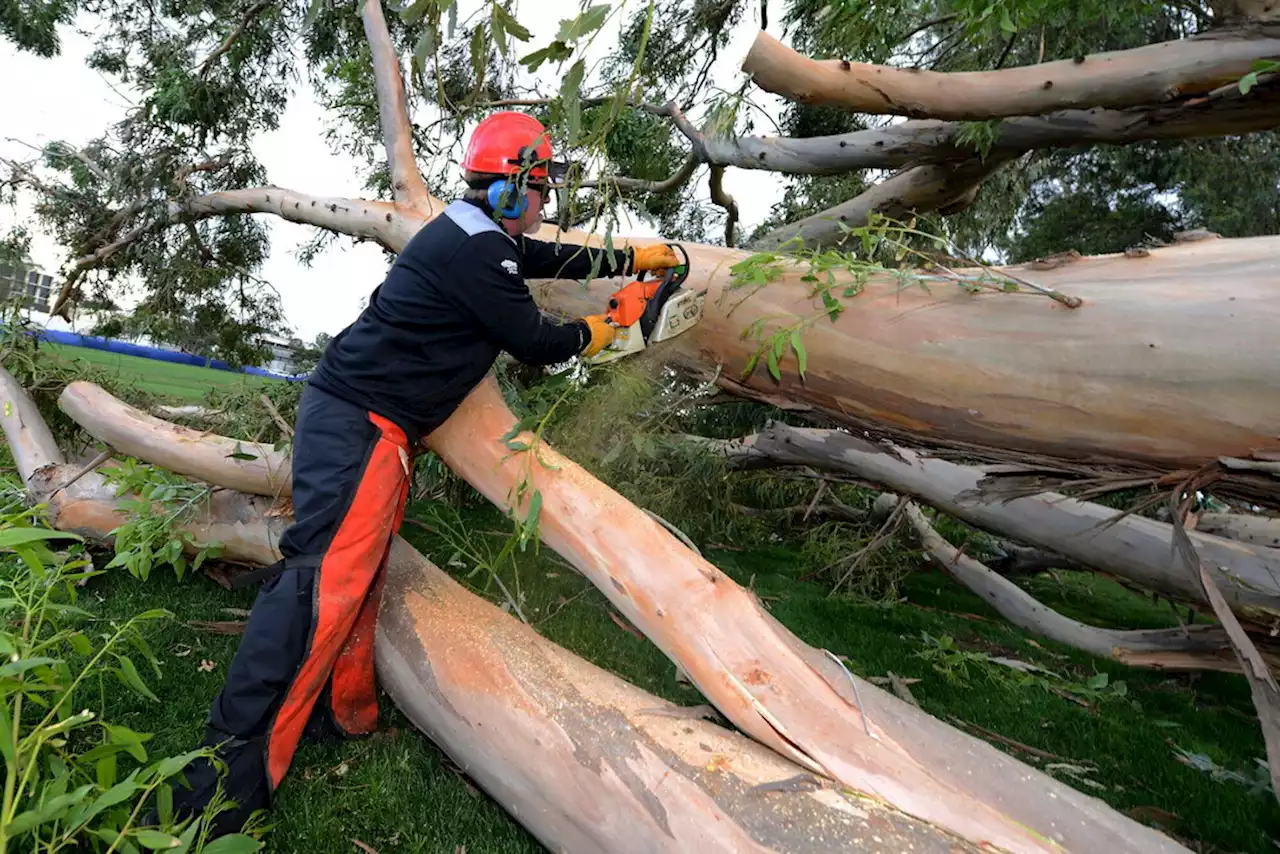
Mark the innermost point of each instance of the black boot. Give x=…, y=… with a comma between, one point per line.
x=244, y=787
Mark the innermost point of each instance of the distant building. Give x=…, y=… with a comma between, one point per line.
x=32, y=286
x=283, y=355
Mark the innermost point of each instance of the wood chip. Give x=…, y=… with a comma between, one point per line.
x=219, y=627
x=367, y=849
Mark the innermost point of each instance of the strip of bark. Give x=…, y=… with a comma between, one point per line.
x=1151, y=74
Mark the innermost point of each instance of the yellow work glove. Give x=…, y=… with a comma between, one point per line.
x=601, y=334
x=657, y=256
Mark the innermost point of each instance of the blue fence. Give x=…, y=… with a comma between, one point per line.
x=112, y=345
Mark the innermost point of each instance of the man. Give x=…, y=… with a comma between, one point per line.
x=453, y=299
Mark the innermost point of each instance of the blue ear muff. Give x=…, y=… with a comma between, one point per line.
x=513, y=196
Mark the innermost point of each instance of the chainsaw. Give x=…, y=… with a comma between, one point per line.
x=649, y=311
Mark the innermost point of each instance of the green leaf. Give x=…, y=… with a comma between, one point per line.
x=6, y=737
x=240, y=454
x=79, y=643
x=773, y=365
x=415, y=12
x=478, y=45
x=24, y=665
x=129, y=675
x=313, y=12
x=1099, y=681
x=164, y=803
x=106, y=771
x=10, y=537
x=236, y=843
x=117, y=794
x=513, y=27
x=1006, y=22
x=554, y=52
x=802, y=355
x=129, y=740
x=832, y=305
x=423, y=50
x=587, y=22
x=535, y=510
x=1248, y=81
x=571, y=99
x=155, y=840
x=751, y=364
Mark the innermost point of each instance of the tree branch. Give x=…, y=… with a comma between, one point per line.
x=389, y=225
x=1151, y=74
x=726, y=201
x=253, y=12
x=407, y=185
x=918, y=190
x=1195, y=647
x=677, y=179
x=1224, y=113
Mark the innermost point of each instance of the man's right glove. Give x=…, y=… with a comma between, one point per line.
x=655, y=256
x=601, y=334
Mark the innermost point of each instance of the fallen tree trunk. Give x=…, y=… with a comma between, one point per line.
x=768, y=682
x=1188, y=648
x=1151, y=74
x=78, y=499
x=1130, y=377
x=590, y=763
x=1134, y=548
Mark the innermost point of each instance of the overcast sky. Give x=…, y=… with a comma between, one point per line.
x=62, y=99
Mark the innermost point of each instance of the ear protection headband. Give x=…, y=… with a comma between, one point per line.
x=509, y=192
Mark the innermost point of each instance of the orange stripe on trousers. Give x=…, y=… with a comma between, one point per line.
x=348, y=579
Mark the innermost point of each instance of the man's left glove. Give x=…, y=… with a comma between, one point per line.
x=601, y=334
x=656, y=256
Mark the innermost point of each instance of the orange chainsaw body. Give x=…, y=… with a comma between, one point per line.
x=628, y=304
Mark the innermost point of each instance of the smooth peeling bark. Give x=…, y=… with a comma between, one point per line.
x=590, y=763
x=767, y=682
x=195, y=453
x=1132, y=375
x=1134, y=548
x=1151, y=74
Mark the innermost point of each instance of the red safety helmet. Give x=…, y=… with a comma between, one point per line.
x=509, y=143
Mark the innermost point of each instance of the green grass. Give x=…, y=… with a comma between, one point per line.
x=183, y=383
x=397, y=792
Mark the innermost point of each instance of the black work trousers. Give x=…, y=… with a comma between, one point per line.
x=305, y=662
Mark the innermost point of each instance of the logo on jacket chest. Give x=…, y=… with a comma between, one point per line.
x=511, y=266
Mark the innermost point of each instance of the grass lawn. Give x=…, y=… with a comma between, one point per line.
x=1118, y=741
x=182, y=383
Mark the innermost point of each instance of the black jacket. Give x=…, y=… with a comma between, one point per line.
x=453, y=299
